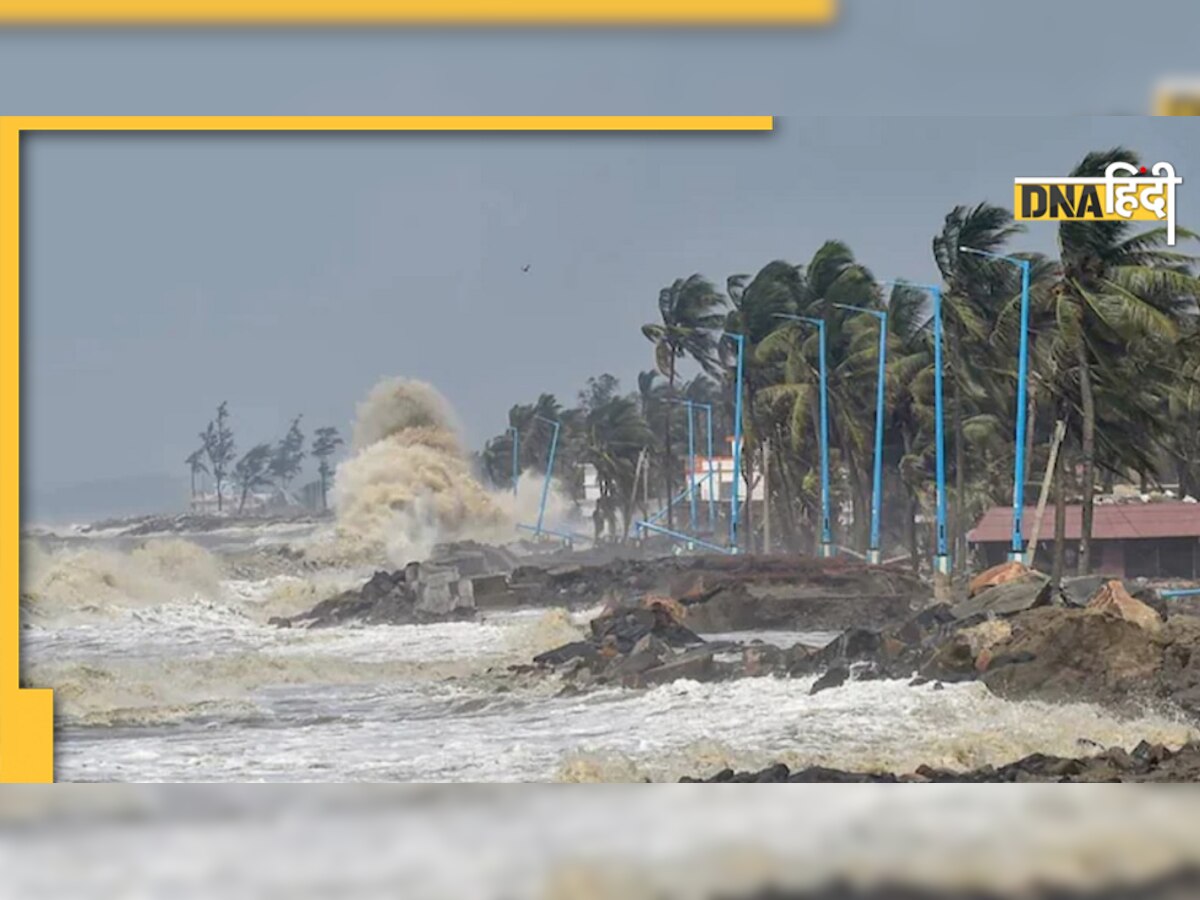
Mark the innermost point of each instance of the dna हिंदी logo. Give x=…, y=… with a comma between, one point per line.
x=1126, y=192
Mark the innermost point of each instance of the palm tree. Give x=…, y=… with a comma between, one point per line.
x=975, y=287
x=217, y=440
x=784, y=374
x=195, y=462
x=689, y=315
x=614, y=434
x=1184, y=412
x=535, y=434
x=325, y=443
x=253, y=471
x=1117, y=286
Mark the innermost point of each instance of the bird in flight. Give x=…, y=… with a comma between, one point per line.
x=525, y=268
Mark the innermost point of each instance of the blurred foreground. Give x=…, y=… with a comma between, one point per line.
x=570, y=842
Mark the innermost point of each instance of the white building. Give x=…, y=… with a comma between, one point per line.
x=591, y=490
x=722, y=476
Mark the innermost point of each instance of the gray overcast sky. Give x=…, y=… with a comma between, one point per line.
x=882, y=57
x=288, y=273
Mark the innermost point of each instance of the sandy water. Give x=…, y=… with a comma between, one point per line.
x=166, y=671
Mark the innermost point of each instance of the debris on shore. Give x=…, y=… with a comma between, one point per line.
x=718, y=593
x=1091, y=642
x=409, y=596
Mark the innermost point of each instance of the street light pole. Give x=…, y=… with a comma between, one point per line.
x=941, y=559
x=712, y=478
x=691, y=410
x=1017, y=550
x=549, y=472
x=737, y=440
x=941, y=564
x=692, y=462
x=826, y=516
x=874, y=551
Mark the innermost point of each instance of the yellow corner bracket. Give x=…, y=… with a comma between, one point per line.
x=27, y=715
x=1178, y=98
x=415, y=12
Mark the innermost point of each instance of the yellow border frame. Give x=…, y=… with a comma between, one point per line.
x=416, y=12
x=27, y=716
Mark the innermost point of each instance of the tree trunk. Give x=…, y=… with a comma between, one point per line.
x=324, y=499
x=746, y=520
x=219, y=497
x=669, y=461
x=788, y=504
x=960, y=466
x=1060, y=517
x=1030, y=429
x=914, y=544
x=1088, y=431
x=242, y=504
x=766, y=467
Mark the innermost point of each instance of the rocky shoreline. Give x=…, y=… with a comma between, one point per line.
x=719, y=593
x=1145, y=763
x=1178, y=884
x=191, y=523
x=1097, y=645
x=1090, y=642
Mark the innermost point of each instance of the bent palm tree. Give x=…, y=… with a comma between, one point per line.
x=1117, y=287
x=689, y=310
x=975, y=289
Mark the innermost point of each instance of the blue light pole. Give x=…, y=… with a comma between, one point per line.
x=874, y=553
x=737, y=440
x=1017, y=551
x=941, y=561
x=516, y=456
x=712, y=477
x=692, y=406
x=549, y=472
x=826, y=517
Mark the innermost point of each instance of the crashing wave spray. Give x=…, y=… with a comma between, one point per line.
x=408, y=484
x=96, y=582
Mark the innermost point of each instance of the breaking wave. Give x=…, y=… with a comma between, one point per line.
x=171, y=688
x=95, y=582
x=409, y=485
x=694, y=729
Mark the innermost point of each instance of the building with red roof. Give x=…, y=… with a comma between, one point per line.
x=1153, y=540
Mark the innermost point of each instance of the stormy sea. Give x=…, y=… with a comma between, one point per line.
x=164, y=647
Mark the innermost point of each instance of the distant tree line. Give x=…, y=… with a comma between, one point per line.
x=609, y=430
x=264, y=465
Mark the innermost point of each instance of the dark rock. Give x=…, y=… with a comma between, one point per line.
x=1147, y=763
x=388, y=598
x=628, y=626
x=1011, y=597
x=585, y=650
x=762, y=659
x=834, y=677
x=953, y=661
x=694, y=665
x=1079, y=590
